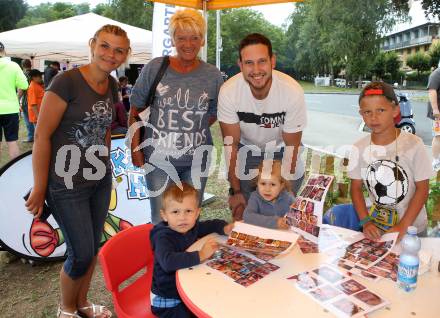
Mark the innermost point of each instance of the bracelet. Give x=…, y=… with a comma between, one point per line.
x=365, y=220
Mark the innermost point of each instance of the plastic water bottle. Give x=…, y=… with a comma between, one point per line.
x=409, y=260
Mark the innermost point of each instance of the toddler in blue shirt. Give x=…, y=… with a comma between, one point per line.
x=271, y=201
x=170, y=240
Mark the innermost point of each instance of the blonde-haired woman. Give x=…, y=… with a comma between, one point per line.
x=71, y=163
x=184, y=107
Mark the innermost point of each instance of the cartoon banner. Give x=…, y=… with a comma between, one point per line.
x=31, y=239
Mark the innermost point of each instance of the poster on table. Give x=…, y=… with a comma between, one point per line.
x=385, y=268
x=305, y=215
x=238, y=267
x=327, y=240
x=364, y=253
x=262, y=242
x=339, y=293
x=25, y=237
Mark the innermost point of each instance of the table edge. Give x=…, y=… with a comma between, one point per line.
x=196, y=310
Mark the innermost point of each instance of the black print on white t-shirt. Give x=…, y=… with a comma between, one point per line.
x=387, y=181
x=264, y=120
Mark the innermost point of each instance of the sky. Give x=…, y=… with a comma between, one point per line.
x=274, y=13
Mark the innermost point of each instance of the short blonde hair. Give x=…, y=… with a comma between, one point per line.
x=187, y=20
x=275, y=170
x=174, y=193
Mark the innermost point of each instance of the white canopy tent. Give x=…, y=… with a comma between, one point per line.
x=67, y=40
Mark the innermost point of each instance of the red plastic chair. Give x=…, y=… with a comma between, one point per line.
x=121, y=257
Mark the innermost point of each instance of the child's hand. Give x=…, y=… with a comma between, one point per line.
x=371, y=231
x=228, y=228
x=398, y=228
x=207, y=250
x=282, y=223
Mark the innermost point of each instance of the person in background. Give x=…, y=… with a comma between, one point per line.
x=73, y=128
x=119, y=123
x=434, y=113
x=184, y=108
x=49, y=73
x=35, y=95
x=12, y=79
x=125, y=92
x=26, y=64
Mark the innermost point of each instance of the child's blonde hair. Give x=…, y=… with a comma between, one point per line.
x=174, y=193
x=268, y=168
x=187, y=20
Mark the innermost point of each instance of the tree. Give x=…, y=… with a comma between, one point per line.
x=249, y=21
x=47, y=12
x=337, y=32
x=11, y=12
x=419, y=61
x=434, y=53
x=431, y=7
x=393, y=64
x=379, y=66
x=137, y=13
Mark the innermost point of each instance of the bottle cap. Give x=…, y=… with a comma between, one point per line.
x=412, y=230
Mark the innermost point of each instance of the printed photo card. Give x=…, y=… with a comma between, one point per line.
x=306, y=211
x=338, y=292
x=262, y=242
x=386, y=268
x=327, y=239
x=240, y=268
x=365, y=253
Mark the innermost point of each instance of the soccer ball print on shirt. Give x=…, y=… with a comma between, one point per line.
x=387, y=181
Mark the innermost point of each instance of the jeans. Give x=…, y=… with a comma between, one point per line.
x=80, y=213
x=158, y=180
x=29, y=126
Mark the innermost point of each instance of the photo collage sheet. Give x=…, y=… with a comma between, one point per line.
x=338, y=292
x=244, y=257
x=305, y=216
x=369, y=259
x=386, y=267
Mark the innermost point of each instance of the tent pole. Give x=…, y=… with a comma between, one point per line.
x=205, y=15
x=218, y=40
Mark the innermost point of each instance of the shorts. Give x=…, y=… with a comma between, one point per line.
x=9, y=127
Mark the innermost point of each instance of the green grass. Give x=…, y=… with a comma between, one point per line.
x=22, y=135
x=311, y=88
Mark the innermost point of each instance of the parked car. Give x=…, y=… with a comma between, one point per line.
x=340, y=82
x=362, y=83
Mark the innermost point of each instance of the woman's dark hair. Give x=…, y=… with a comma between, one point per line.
x=252, y=39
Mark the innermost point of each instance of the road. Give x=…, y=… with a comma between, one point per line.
x=334, y=120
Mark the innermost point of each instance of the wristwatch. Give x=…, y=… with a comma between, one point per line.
x=233, y=192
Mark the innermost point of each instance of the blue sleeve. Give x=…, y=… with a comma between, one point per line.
x=252, y=214
x=211, y=226
x=169, y=259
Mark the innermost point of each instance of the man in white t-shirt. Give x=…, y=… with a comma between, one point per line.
x=262, y=115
